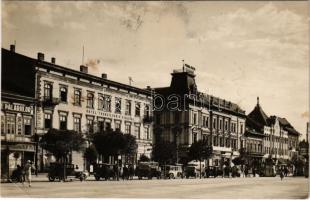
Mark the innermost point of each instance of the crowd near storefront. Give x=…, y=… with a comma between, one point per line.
x=41, y=97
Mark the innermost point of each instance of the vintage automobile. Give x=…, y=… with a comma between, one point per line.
x=148, y=170
x=172, y=171
x=104, y=171
x=62, y=171
x=190, y=171
x=213, y=171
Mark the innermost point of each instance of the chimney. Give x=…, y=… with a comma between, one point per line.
x=148, y=87
x=83, y=69
x=104, y=76
x=41, y=56
x=53, y=60
x=12, y=47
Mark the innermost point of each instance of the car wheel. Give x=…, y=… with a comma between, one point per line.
x=97, y=178
x=171, y=176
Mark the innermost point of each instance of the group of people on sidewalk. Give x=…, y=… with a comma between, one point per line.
x=22, y=174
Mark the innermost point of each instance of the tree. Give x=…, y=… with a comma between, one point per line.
x=113, y=143
x=163, y=152
x=61, y=142
x=91, y=154
x=200, y=151
x=144, y=158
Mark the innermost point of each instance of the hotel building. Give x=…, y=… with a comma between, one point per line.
x=76, y=100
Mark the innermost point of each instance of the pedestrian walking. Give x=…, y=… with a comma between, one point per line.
x=246, y=171
x=281, y=174
x=131, y=171
x=125, y=173
x=285, y=171
x=254, y=172
x=27, y=170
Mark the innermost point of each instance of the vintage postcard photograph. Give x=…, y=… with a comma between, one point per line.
x=155, y=99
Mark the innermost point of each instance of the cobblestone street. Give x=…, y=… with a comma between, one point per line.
x=290, y=187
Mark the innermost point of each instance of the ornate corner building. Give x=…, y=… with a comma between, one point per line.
x=184, y=115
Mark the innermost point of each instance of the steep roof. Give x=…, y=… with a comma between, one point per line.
x=258, y=116
x=285, y=125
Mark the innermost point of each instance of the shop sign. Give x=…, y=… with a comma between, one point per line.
x=22, y=147
x=17, y=107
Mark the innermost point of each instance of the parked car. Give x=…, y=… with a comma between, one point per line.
x=213, y=171
x=104, y=171
x=172, y=171
x=190, y=171
x=62, y=171
x=148, y=170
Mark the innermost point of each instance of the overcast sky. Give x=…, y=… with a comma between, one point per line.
x=240, y=50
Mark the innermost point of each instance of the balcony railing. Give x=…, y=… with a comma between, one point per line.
x=50, y=102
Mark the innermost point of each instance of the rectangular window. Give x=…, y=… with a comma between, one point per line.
x=90, y=100
x=48, y=88
x=137, y=109
x=19, y=125
x=128, y=107
x=107, y=103
x=77, y=97
x=194, y=137
x=77, y=123
x=10, y=124
x=2, y=124
x=147, y=133
x=227, y=142
x=107, y=125
x=128, y=128
x=221, y=142
x=90, y=125
x=207, y=122
x=194, y=118
x=47, y=120
x=63, y=122
x=214, y=123
x=220, y=124
x=137, y=131
x=118, y=105
x=146, y=110
x=63, y=94
x=100, y=125
x=226, y=125
x=241, y=128
x=27, y=126
x=117, y=125
x=100, y=102
x=204, y=121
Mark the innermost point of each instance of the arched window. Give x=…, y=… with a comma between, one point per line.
x=100, y=102
x=48, y=91
x=63, y=94
x=77, y=97
x=90, y=100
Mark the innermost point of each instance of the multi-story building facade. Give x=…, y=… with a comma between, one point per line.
x=184, y=115
x=17, y=131
x=276, y=137
x=75, y=100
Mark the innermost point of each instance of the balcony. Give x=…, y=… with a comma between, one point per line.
x=50, y=102
x=148, y=119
